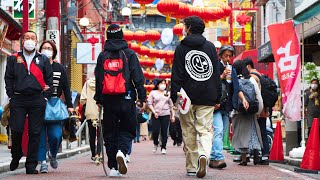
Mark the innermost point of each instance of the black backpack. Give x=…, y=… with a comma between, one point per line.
x=247, y=88
x=268, y=90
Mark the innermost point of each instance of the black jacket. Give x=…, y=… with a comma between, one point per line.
x=136, y=78
x=19, y=81
x=196, y=69
x=60, y=83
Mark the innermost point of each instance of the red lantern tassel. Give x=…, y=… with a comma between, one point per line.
x=243, y=36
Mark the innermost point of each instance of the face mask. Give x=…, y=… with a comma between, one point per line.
x=314, y=86
x=47, y=53
x=29, y=45
x=162, y=87
x=184, y=32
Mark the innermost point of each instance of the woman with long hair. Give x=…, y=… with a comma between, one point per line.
x=53, y=130
x=312, y=103
x=161, y=107
x=246, y=131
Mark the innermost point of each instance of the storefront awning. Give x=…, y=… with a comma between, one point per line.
x=14, y=30
x=265, y=53
x=308, y=13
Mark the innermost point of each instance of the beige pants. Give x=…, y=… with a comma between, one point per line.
x=197, y=121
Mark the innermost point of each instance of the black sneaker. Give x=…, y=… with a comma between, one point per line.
x=264, y=162
x=14, y=164
x=32, y=172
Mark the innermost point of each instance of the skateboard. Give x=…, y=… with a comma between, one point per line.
x=184, y=102
x=101, y=160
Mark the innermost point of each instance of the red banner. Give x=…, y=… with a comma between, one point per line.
x=286, y=51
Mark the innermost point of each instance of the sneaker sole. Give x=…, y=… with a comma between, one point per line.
x=43, y=172
x=122, y=166
x=202, y=167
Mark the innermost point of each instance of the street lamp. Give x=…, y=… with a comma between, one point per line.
x=84, y=22
x=126, y=13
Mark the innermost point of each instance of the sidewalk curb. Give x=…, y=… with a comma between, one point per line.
x=292, y=161
x=5, y=167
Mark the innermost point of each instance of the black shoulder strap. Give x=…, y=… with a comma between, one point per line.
x=256, y=74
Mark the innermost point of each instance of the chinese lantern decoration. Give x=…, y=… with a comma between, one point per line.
x=145, y=74
x=143, y=3
x=243, y=19
x=217, y=13
x=139, y=36
x=168, y=8
x=169, y=58
x=127, y=35
x=153, y=53
x=182, y=12
x=177, y=30
x=129, y=45
x=152, y=36
x=162, y=54
x=135, y=47
x=226, y=9
x=149, y=87
x=144, y=51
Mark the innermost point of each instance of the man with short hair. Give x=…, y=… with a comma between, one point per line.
x=117, y=94
x=221, y=113
x=27, y=91
x=196, y=70
x=262, y=118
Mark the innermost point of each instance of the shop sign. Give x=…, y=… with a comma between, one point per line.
x=18, y=9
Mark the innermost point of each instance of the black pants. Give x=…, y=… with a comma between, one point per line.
x=119, y=126
x=175, y=131
x=20, y=107
x=94, y=133
x=161, y=123
x=262, y=124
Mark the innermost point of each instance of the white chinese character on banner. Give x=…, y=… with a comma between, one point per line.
x=287, y=62
x=19, y=6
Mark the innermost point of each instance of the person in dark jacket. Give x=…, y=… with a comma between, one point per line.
x=28, y=79
x=196, y=70
x=119, y=108
x=52, y=131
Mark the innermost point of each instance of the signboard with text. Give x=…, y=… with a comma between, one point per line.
x=18, y=9
x=54, y=36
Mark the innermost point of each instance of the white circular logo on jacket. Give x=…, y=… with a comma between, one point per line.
x=198, y=65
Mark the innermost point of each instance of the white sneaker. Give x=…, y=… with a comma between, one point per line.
x=122, y=164
x=128, y=158
x=155, y=149
x=163, y=151
x=202, y=166
x=114, y=173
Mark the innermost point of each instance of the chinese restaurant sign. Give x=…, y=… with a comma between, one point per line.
x=18, y=9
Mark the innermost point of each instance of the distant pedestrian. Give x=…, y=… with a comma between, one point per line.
x=312, y=103
x=28, y=80
x=118, y=80
x=161, y=107
x=196, y=69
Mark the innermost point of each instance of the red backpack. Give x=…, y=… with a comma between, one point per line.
x=116, y=71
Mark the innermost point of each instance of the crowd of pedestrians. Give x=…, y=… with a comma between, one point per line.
x=217, y=90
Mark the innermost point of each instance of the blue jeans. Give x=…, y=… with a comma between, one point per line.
x=225, y=121
x=217, y=144
x=54, y=133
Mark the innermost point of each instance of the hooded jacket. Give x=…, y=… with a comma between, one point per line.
x=135, y=77
x=196, y=69
x=87, y=93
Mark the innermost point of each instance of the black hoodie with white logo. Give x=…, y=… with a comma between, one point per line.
x=196, y=69
x=136, y=78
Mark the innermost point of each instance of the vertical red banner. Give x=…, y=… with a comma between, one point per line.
x=286, y=51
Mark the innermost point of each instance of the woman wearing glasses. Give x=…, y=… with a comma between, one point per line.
x=53, y=130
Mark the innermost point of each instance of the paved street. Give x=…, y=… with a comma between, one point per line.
x=146, y=165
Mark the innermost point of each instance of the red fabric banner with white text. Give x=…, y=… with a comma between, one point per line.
x=286, y=51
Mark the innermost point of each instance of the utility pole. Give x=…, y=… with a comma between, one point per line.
x=25, y=16
x=291, y=127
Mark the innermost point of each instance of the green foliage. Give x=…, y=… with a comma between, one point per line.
x=310, y=71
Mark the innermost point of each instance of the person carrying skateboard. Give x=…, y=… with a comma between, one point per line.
x=27, y=91
x=196, y=70
x=118, y=78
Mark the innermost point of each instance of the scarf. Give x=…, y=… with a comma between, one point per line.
x=314, y=95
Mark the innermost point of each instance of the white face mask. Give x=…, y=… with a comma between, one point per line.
x=314, y=86
x=47, y=53
x=29, y=45
x=162, y=87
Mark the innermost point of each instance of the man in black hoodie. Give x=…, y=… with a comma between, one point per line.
x=119, y=103
x=196, y=70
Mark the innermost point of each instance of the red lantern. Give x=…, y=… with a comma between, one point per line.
x=139, y=36
x=129, y=45
x=177, y=30
x=217, y=13
x=168, y=8
x=127, y=35
x=143, y=3
x=162, y=54
x=169, y=57
x=149, y=63
x=152, y=75
x=135, y=47
x=243, y=20
x=145, y=74
x=226, y=9
x=153, y=35
x=182, y=12
x=153, y=53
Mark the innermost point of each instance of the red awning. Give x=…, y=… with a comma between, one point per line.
x=266, y=69
x=14, y=30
